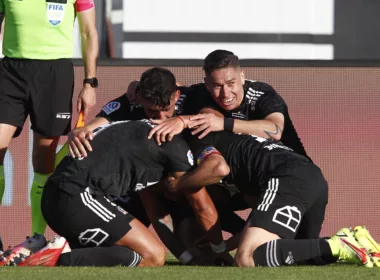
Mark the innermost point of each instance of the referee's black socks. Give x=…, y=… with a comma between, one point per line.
x=100, y=256
x=294, y=251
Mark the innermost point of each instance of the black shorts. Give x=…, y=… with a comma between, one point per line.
x=84, y=220
x=134, y=206
x=42, y=89
x=292, y=205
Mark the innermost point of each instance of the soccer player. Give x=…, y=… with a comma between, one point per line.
x=160, y=97
x=247, y=106
x=76, y=201
x=122, y=108
x=292, y=195
x=37, y=79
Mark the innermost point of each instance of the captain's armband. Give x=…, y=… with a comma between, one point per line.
x=206, y=153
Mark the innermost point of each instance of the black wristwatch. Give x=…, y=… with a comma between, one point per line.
x=92, y=81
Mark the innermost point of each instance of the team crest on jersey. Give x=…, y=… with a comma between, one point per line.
x=111, y=107
x=55, y=13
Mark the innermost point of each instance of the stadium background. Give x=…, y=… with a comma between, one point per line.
x=333, y=101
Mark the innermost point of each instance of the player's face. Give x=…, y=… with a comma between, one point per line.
x=226, y=87
x=155, y=112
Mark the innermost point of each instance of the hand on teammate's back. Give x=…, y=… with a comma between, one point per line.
x=78, y=142
x=205, y=123
x=166, y=129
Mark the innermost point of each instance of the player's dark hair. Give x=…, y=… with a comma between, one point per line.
x=219, y=59
x=157, y=85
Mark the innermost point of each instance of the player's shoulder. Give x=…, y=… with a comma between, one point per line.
x=193, y=98
x=257, y=86
x=193, y=90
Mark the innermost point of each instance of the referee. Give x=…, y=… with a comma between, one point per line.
x=37, y=80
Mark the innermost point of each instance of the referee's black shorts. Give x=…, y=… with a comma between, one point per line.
x=42, y=89
x=84, y=219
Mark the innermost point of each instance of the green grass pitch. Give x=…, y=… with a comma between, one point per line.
x=174, y=271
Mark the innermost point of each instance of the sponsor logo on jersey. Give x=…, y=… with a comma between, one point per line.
x=190, y=157
x=63, y=116
x=140, y=186
x=274, y=146
x=111, y=107
x=55, y=13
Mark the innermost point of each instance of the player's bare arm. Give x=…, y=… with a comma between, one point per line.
x=210, y=170
x=207, y=217
x=270, y=127
x=78, y=138
x=90, y=49
x=162, y=224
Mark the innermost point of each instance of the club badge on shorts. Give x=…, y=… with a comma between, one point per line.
x=55, y=13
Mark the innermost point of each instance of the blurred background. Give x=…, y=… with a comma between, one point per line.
x=322, y=56
x=254, y=29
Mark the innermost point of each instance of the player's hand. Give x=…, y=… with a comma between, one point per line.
x=165, y=130
x=78, y=142
x=131, y=91
x=205, y=123
x=86, y=100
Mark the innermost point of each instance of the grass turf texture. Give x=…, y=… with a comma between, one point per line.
x=172, y=270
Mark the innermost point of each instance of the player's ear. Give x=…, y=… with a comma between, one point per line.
x=177, y=94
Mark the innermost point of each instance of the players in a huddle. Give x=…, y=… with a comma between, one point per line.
x=233, y=127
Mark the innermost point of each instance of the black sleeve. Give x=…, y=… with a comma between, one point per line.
x=178, y=155
x=268, y=102
x=194, y=99
x=116, y=110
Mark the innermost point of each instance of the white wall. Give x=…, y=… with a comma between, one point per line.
x=313, y=17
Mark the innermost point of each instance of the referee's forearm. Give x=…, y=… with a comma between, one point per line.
x=90, y=51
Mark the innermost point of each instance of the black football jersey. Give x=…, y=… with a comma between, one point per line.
x=123, y=159
x=251, y=159
x=260, y=100
x=120, y=109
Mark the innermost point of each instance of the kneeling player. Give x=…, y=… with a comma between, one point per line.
x=293, y=197
x=76, y=203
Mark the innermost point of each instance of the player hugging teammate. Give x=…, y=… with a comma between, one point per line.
x=127, y=171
